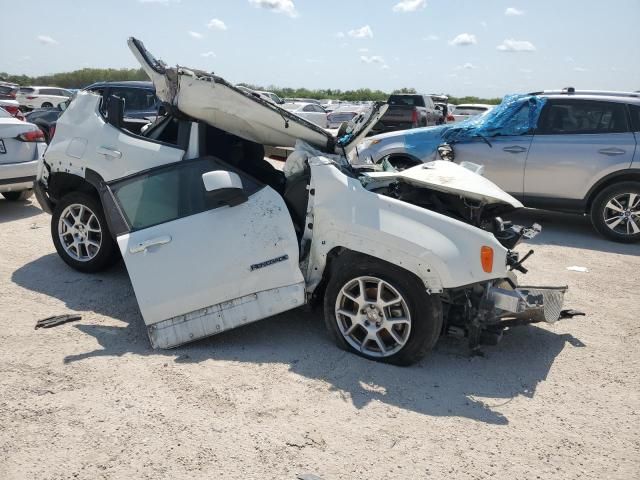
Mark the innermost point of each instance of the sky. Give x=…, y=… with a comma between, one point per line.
x=461, y=47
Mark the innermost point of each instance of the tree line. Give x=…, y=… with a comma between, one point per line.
x=86, y=76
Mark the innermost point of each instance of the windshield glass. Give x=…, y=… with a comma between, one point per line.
x=407, y=100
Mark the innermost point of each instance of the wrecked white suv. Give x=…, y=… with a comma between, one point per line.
x=214, y=237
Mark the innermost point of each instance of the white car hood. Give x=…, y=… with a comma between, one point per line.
x=447, y=177
x=212, y=99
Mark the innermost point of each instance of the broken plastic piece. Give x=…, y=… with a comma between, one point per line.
x=56, y=320
x=570, y=313
x=575, y=268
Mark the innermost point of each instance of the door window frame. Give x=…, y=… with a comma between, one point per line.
x=118, y=222
x=577, y=101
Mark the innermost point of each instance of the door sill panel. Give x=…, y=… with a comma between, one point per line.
x=215, y=319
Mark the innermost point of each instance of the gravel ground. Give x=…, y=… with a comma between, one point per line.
x=275, y=399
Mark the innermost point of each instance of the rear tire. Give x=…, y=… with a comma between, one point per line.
x=379, y=311
x=615, y=212
x=17, y=196
x=80, y=233
x=47, y=105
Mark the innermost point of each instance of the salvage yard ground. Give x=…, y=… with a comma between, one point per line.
x=91, y=399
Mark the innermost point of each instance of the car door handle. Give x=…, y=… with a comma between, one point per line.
x=612, y=151
x=143, y=246
x=514, y=149
x=109, y=152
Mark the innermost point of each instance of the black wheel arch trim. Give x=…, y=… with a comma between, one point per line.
x=629, y=174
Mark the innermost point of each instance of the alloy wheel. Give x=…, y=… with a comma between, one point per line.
x=80, y=232
x=373, y=317
x=622, y=213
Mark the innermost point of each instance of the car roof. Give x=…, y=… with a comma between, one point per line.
x=608, y=95
x=483, y=105
x=129, y=83
x=608, y=98
x=42, y=86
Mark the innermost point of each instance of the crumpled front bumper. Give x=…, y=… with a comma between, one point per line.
x=526, y=304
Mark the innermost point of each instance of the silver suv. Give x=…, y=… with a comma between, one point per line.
x=578, y=153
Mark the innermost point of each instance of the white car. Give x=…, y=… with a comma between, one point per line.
x=213, y=237
x=467, y=110
x=21, y=146
x=42, y=97
x=344, y=113
x=270, y=96
x=309, y=111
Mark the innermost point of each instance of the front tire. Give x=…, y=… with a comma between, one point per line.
x=615, y=212
x=379, y=311
x=80, y=233
x=47, y=105
x=17, y=196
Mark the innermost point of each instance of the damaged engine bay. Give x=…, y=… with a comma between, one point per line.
x=481, y=312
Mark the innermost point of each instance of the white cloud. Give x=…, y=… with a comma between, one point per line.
x=466, y=66
x=464, y=39
x=409, y=5
x=46, y=40
x=511, y=45
x=363, y=32
x=580, y=69
x=569, y=59
x=208, y=54
x=278, y=6
x=385, y=67
x=513, y=12
x=431, y=38
x=483, y=24
x=372, y=59
x=217, y=24
x=196, y=35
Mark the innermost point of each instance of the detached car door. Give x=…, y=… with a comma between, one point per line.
x=577, y=142
x=203, y=259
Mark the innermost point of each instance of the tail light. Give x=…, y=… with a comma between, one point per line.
x=451, y=118
x=32, y=136
x=31, y=97
x=414, y=116
x=13, y=110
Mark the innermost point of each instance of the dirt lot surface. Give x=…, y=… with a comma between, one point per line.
x=275, y=399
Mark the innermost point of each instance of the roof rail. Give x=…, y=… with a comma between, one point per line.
x=573, y=91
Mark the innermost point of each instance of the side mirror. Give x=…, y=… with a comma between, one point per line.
x=224, y=187
x=115, y=111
